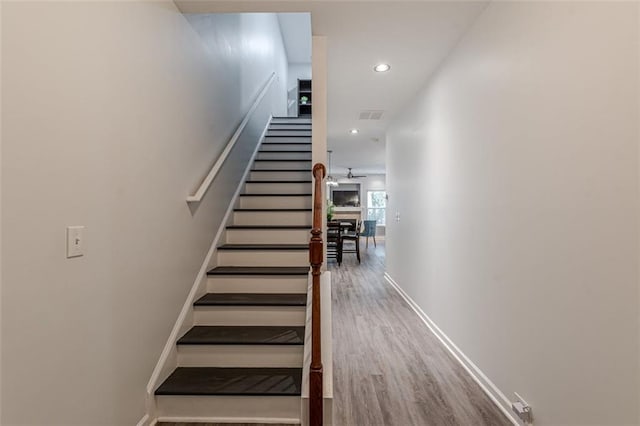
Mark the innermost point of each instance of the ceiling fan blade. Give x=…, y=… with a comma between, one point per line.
x=350, y=175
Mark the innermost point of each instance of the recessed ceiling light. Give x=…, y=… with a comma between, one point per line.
x=382, y=68
x=354, y=131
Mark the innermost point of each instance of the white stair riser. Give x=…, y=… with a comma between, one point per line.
x=304, y=175
x=270, y=155
x=279, y=120
x=265, y=236
x=289, y=126
x=288, y=133
x=289, y=139
x=277, y=188
x=275, y=202
x=281, y=356
x=285, y=146
x=221, y=407
x=263, y=257
x=261, y=165
x=257, y=284
x=249, y=315
x=272, y=218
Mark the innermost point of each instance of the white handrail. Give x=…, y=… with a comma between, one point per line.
x=204, y=186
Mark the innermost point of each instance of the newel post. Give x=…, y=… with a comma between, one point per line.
x=316, y=255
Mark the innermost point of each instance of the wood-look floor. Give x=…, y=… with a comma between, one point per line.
x=389, y=369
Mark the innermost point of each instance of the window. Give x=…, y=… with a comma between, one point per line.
x=376, y=206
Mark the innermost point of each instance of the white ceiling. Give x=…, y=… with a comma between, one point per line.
x=413, y=37
x=296, y=34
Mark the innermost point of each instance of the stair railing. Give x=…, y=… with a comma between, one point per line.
x=316, y=255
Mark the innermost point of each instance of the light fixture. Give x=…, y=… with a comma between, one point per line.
x=382, y=68
x=331, y=181
x=354, y=131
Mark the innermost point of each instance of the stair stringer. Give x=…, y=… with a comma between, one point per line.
x=327, y=352
x=168, y=360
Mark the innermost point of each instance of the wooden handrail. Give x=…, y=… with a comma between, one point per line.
x=316, y=256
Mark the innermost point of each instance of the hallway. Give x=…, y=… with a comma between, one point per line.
x=389, y=369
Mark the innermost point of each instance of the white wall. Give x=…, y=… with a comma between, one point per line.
x=112, y=112
x=298, y=71
x=257, y=48
x=515, y=174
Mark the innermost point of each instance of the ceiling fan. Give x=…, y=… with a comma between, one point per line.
x=352, y=176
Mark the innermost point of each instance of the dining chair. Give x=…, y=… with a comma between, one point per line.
x=334, y=242
x=352, y=236
x=369, y=231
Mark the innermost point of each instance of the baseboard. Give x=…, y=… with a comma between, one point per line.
x=495, y=394
x=144, y=421
x=198, y=284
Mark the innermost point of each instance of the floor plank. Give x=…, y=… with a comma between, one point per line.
x=389, y=369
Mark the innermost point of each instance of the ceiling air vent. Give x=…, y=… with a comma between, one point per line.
x=371, y=115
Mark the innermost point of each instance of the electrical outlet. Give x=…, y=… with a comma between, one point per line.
x=522, y=410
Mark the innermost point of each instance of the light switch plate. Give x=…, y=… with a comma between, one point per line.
x=75, y=241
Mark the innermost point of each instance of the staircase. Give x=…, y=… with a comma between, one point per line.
x=242, y=359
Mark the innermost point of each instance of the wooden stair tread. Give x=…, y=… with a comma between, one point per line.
x=259, y=270
x=278, y=181
x=264, y=247
x=297, y=133
x=252, y=299
x=281, y=170
x=288, y=194
x=232, y=381
x=243, y=335
x=269, y=227
x=271, y=210
x=287, y=143
x=283, y=159
x=291, y=137
x=280, y=151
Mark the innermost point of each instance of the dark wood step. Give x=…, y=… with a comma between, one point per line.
x=287, y=136
x=259, y=270
x=232, y=381
x=286, y=140
x=284, y=150
x=271, y=210
x=286, y=117
x=289, y=133
x=243, y=335
x=284, y=159
x=276, y=247
x=269, y=227
x=306, y=194
x=278, y=181
x=252, y=299
x=281, y=170
x=287, y=143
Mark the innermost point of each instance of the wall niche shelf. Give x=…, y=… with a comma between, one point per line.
x=304, y=97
